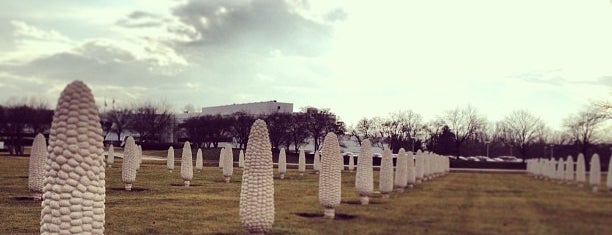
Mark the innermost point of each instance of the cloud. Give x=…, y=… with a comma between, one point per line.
x=337, y=14
x=255, y=26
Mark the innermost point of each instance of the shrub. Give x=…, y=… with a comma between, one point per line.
x=36, y=172
x=257, y=188
x=187, y=164
x=282, y=163
x=330, y=180
x=364, y=179
x=75, y=186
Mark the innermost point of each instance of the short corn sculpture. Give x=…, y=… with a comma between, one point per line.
x=401, y=171
x=138, y=156
x=128, y=169
x=351, y=164
x=170, y=160
x=316, y=162
x=609, y=176
x=580, y=171
x=282, y=163
x=364, y=180
x=257, y=189
x=110, y=159
x=187, y=164
x=221, y=157
x=385, y=184
x=302, y=162
x=36, y=173
x=241, y=159
x=569, y=170
x=330, y=180
x=199, y=161
x=74, y=191
x=595, y=173
x=228, y=164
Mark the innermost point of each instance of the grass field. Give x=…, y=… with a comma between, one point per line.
x=459, y=203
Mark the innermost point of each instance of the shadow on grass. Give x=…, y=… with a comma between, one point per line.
x=123, y=190
x=26, y=199
x=357, y=202
x=339, y=216
x=183, y=185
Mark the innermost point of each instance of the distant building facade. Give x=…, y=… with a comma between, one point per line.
x=256, y=108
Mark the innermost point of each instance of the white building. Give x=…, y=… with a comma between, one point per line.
x=257, y=108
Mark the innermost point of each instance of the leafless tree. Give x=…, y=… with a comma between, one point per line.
x=121, y=120
x=464, y=123
x=583, y=126
x=401, y=128
x=365, y=129
x=151, y=121
x=521, y=129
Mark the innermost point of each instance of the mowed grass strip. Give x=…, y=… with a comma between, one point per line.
x=459, y=203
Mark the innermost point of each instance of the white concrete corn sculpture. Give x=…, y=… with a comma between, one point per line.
x=316, y=162
x=580, y=170
x=385, y=184
x=221, y=157
x=187, y=164
x=330, y=180
x=351, y=164
x=364, y=179
x=170, y=159
x=128, y=169
x=401, y=170
x=411, y=170
x=138, y=156
x=228, y=164
x=36, y=173
x=609, y=178
x=257, y=189
x=282, y=163
x=199, y=160
x=569, y=170
x=302, y=162
x=74, y=191
x=595, y=173
x=110, y=159
x=241, y=159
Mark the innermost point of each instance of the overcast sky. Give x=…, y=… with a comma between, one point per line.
x=358, y=58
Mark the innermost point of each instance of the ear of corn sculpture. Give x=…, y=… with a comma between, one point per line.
x=187, y=164
x=128, y=169
x=282, y=163
x=110, y=159
x=411, y=170
x=228, y=164
x=221, y=157
x=74, y=191
x=257, y=189
x=330, y=180
x=364, y=179
x=351, y=163
x=609, y=176
x=241, y=159
x=170, y=159
x=302, y=162
x=401, y=170
x=316, y=162
x=199, y=161
x=595, y=173
x=36, y=172
x=385, y=184
x=138, y=156
x=580, y=170
x=569, y=170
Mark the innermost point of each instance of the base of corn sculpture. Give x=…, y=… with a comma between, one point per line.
x=170, y=171
x=329, y=213
x=399, y=190
x=227, y=178
x=282, y=176
x=187, y=183
x=595, y=189
x=37, y=196
x=109, y=166
x=411, y=186
x=301, y=174
x=128, y=187
x=580, y=185
x=364, y=200
x=418, y=181
x=385, y=195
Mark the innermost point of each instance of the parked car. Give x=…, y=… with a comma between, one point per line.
x=510, y=159
x=475, y=159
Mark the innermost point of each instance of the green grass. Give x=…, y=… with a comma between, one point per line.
x=459, y=203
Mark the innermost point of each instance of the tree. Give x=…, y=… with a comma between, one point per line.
x=400, y=130
x=278, y=128
x=298, y=131
x=241, y=127
x=21, y=118
x=464, y=123
x=150, y=121
x=521, y=129
x=366, y=129
x=121, y=120
x=320, y=122
x=583, y=126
